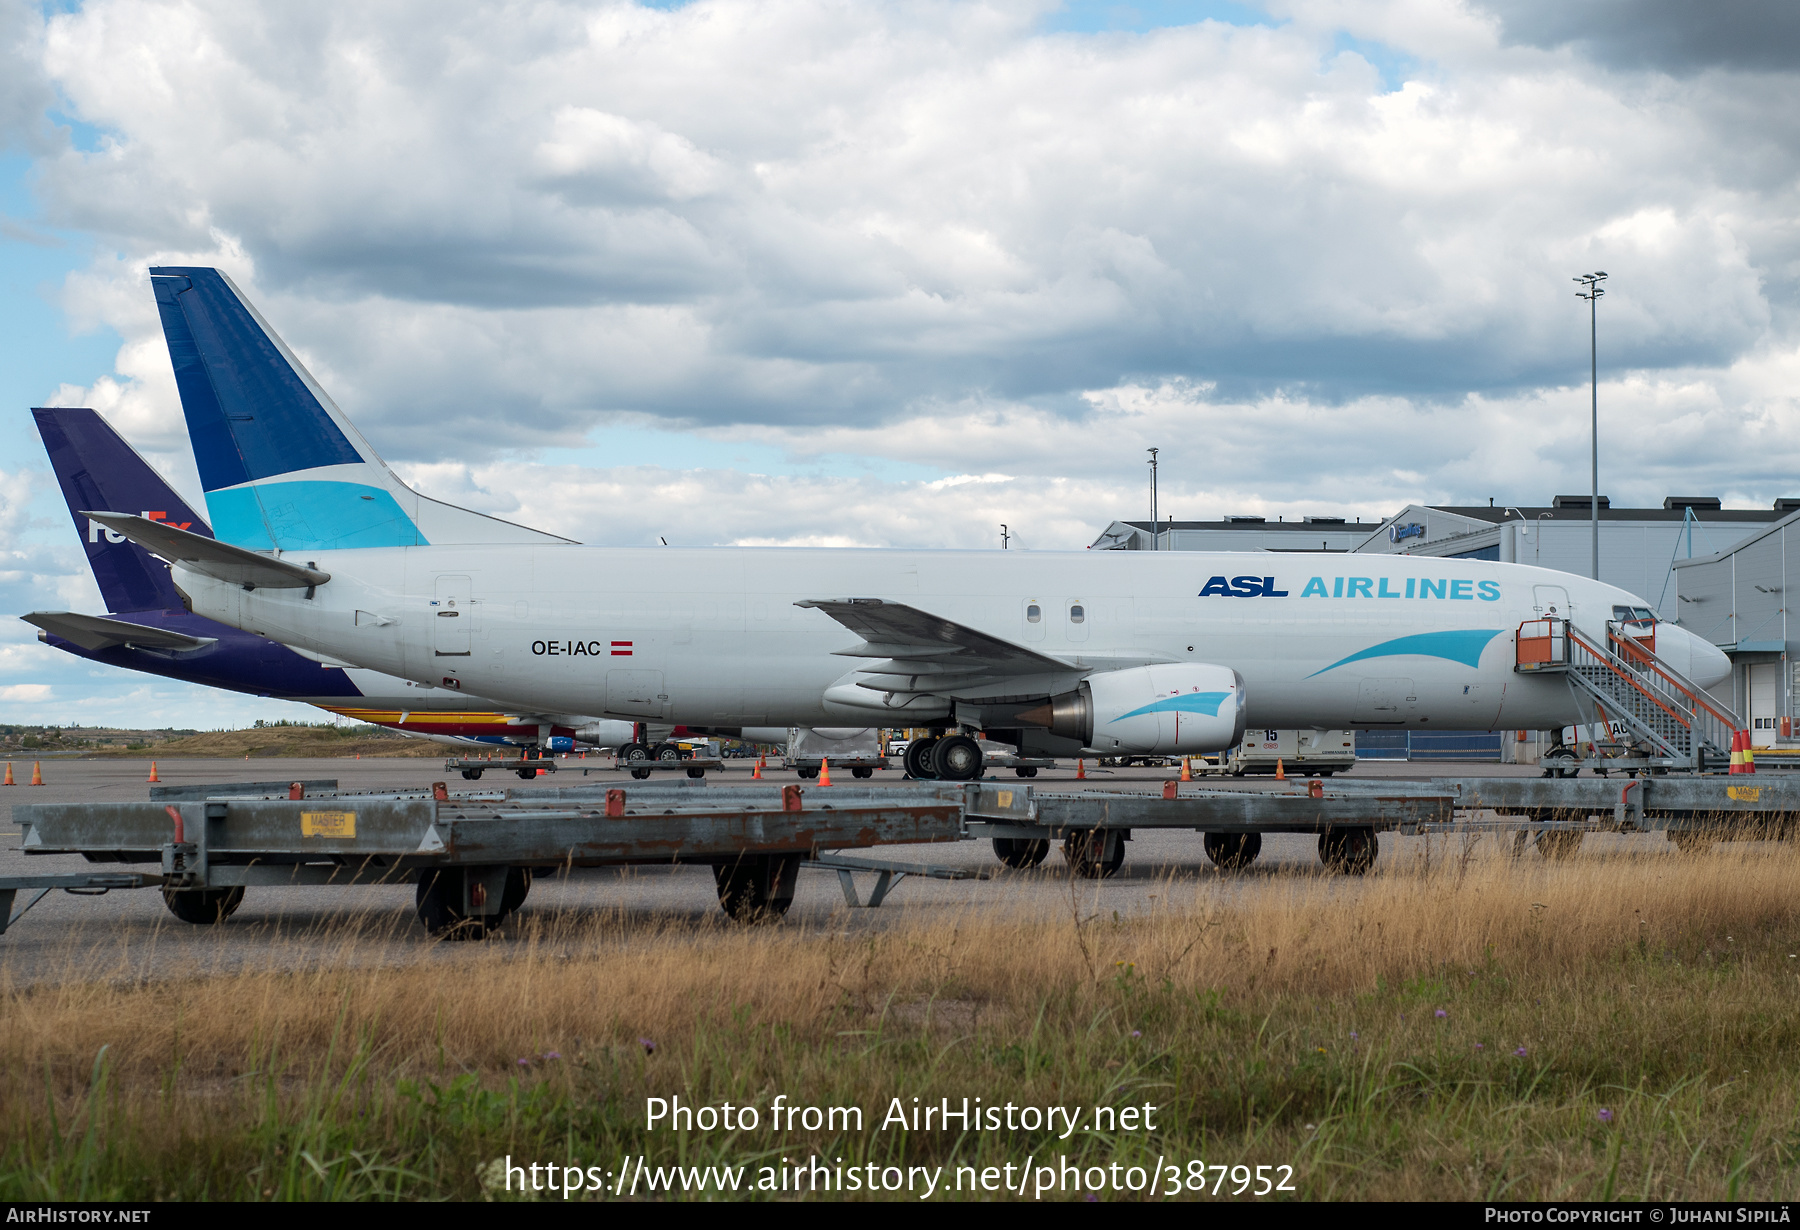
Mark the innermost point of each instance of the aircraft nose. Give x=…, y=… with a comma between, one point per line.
x=1707, y=663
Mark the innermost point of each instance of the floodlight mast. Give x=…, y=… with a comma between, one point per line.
x=1593, y=293
x=1153, y=522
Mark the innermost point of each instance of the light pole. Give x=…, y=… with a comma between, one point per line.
x=1003, y=535
x=1153, y=452
x=1592, y=293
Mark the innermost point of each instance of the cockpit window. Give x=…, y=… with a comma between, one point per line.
x=1636, y=618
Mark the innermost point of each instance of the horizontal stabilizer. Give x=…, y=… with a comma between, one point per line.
x=96, y=632
x=209, y=556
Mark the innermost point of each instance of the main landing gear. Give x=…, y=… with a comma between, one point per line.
x=951, y=758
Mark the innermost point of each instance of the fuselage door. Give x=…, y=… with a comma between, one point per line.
x=450, y=617
x=1550, y=601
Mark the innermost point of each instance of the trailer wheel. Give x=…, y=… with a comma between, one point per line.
x=1349, y=852
x=527, y=773
x=518, y=887
x=1084, y=850
x=807, y=773
x=640, y=774
x=696, y=772
x=473, y=775
x=439, y=899
x=1028, y=771
x=1232, y=851
x=862, y=773
x=1021, y=852
x=203, y=905
x=667, y=751
x=758, y=887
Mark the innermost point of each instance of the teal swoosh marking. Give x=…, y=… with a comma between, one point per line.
x=310, y=515
x=1464, y=647
x=1192, y=702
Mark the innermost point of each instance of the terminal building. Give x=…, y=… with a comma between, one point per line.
x=1719, y=572
x=1737, y=599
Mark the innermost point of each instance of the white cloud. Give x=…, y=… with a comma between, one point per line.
x=31, y=692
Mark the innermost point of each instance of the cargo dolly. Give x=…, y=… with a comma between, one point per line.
x=472, y=857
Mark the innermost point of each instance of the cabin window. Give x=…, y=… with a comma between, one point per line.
x=1077, y=614
x=1034, y=614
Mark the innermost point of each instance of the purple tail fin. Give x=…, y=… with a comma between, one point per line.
x=97, y=471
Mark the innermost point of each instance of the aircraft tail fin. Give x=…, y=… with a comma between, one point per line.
x=281, y=464
x=96, y=468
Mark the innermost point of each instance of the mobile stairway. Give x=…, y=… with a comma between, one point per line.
x=1672, y=722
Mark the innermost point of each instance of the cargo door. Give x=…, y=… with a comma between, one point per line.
x=450, y=616
x=1765, y=702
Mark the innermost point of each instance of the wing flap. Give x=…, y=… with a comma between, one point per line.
x=916, y=652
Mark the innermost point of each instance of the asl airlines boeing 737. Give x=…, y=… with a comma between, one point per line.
x=321, y=546
x=146, y=629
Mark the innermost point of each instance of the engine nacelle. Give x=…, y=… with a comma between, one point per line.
x=1180, y=709
x=556, y=743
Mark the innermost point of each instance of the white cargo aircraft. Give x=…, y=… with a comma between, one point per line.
x=319, y=545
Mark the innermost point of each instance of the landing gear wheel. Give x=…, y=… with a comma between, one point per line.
x=439, y=898
x=473, y=775
x=918, y=760
x=1233, y=851
x=957, y=758
x=202, y=906
x=758, y=887
x=1085, y=852
x=862, y=773
x=1348, y=852
x=1689, y=842
x=1030, y=771
x=1021, y=852
x=1559, y=845
x=1560, y=762
x=632, y=751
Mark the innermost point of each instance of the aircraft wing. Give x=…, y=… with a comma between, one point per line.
x=917, y=651
x=210, y=556
x=94, y=632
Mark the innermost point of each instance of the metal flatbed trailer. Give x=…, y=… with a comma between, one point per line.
x=471, y=857
x=472, y=767
x=858, y=766
x=694, y=766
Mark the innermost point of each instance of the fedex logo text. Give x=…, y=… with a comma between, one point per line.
x=96, y=531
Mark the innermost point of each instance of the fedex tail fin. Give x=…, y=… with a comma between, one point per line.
x=281, y=465
x=96, y=469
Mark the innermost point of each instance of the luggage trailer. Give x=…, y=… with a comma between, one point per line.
x=471, y=856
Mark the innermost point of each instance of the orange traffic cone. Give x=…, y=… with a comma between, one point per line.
x=756, y=770
x=37, y=773
x=1080, y=770
x=1738, y=739
x=1280, y=773
x=1187, y=772
x=9, y=781
x=824, y=772
x=153, y=777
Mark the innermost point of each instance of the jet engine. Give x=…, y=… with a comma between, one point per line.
x=1178, y=709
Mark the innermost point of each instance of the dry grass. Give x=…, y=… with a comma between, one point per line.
x=266, y=741
x=1296, y=1021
